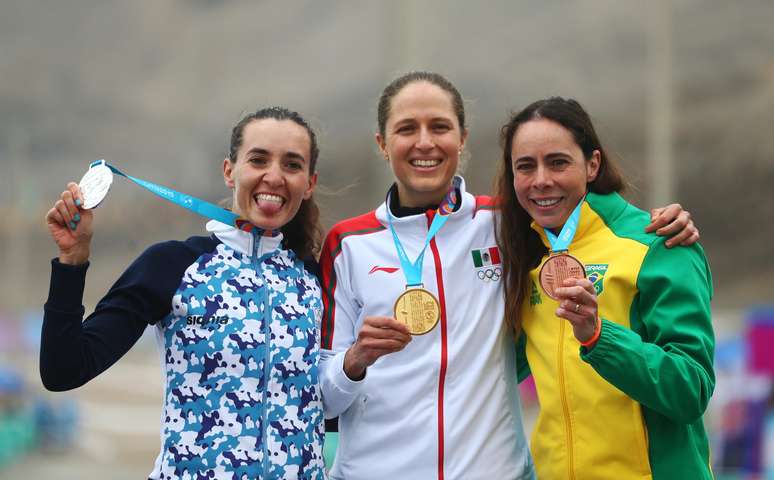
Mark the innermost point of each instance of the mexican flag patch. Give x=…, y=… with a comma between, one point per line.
x=486, y=256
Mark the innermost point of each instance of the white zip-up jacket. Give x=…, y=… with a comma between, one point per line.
x=447, y=406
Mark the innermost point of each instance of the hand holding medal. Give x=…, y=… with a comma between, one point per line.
x=70, y=219
x=70, y=226
x=563, y=278
x=76, y=203
x=578, y=305
x=416, y=310
x=378, y=336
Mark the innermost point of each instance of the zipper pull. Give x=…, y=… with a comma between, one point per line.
x=256, y=243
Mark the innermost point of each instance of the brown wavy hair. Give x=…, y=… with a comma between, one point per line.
x=520, y=245
x=303, y=233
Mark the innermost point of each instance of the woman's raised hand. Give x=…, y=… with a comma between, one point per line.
x=71, y=226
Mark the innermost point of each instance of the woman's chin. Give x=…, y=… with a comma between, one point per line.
x=548, y=222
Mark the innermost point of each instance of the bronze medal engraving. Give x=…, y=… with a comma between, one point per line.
x=418, y=309
x=557, y=269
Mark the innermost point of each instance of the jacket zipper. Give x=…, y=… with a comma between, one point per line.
x=267, y=356
x=565, y=406
x=444, y=353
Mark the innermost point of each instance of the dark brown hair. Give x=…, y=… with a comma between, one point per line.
x=389, y=92
x=520, y=245
x=303, y=233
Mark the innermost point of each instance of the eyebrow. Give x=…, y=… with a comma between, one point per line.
x=412, y=120
x=549, y=156
x=295, y=156
x=290, y=154
x=259, y=151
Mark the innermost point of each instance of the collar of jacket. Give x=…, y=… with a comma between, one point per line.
x=466, y=210
x=590, y=221
x=242, y=241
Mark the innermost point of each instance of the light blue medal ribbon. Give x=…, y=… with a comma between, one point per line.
x=413, y=270
x=200, y=207
x=560, y=265
x=561, y=243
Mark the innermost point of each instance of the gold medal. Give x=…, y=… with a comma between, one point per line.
x=557, y=269
x=418, y=309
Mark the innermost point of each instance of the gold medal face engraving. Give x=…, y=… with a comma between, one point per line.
x=95, y=185
x=418, y=309
x=557, y=269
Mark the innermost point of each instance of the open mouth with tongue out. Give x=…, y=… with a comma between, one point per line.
x=269, y=203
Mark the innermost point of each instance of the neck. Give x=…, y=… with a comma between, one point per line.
x=420, y=199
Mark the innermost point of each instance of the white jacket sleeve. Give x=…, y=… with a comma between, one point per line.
x=338, y=390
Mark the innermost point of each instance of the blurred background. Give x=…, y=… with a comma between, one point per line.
x=681, y=92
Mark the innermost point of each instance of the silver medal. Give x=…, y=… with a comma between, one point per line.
x=95, y=185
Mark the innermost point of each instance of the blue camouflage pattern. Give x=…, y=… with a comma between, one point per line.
x=242, y=398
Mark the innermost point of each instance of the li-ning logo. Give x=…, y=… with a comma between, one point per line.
x=205, y=320
x=377, y=268
x=487, y=263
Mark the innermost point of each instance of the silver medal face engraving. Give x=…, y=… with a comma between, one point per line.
x=95, y=185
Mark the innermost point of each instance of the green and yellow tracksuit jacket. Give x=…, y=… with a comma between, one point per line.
x=632, y=406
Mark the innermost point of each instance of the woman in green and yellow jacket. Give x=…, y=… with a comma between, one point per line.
x=616, y=326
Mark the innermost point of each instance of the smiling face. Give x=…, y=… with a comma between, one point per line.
x=550, y=173
x=271, y=175
x=422, y=141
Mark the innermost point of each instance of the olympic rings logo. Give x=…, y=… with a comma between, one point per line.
x=490, y=274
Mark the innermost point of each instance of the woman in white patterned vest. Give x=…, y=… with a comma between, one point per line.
x=235, y=315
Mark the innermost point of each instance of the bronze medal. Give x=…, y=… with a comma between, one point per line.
x=557, y=269
x=418, y=309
